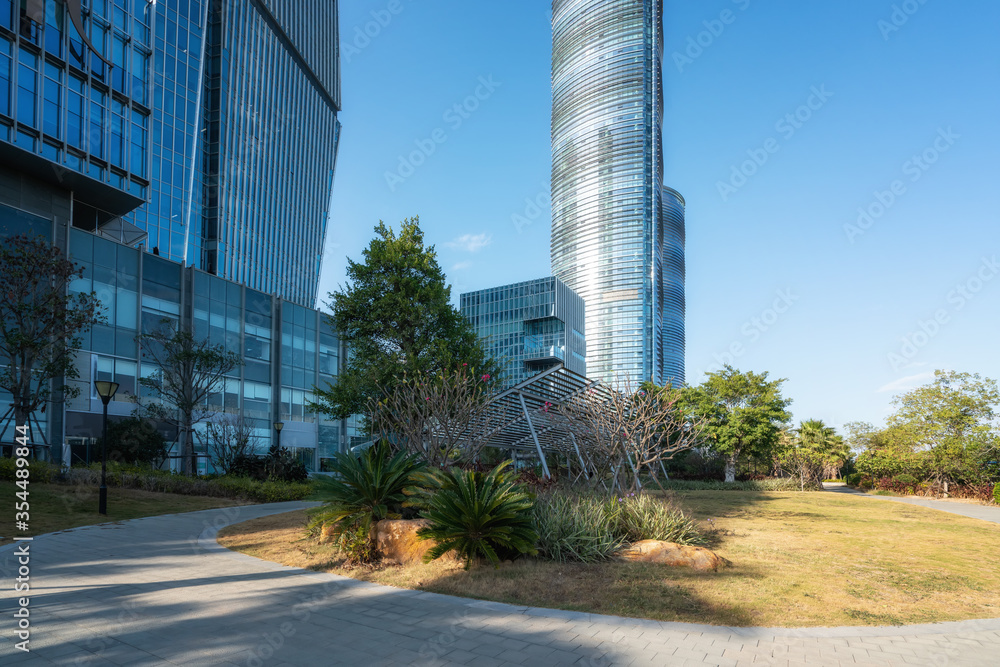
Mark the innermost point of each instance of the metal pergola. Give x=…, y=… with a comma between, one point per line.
x=524, y=416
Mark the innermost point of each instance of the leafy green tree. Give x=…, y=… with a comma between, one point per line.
x=813, y=452
x=742, y=413
x=40, y=324
x=952, y=420
x=396, y=317
x=136, y=441
x=186, y=372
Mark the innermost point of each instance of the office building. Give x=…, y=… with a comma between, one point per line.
x=529, y=326
x=286, y=349
x=617, y=232
x=206, y=131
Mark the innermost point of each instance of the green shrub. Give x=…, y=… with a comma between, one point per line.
x=996, y=493
x=39, y=472
x=574, y=528
x=279, y=465
x=161, y=481
x=906, y=480
x=135, y=441
x=262, y=492
x=642, y=517
x=773, y=484
x=475, y=513
x=365, y=489
x=854, y=479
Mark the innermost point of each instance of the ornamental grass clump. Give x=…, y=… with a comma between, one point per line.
x=574, y=528
x=641, y=517
x=475, y=514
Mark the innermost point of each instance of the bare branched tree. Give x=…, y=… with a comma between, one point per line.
x=626, y=430
x=187, y=371
x=228, y=437
x=440, y=416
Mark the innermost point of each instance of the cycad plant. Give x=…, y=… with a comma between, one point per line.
x=365, y=489
x=475, y=513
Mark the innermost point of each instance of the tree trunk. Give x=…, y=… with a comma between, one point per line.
x=187, y=450
x=731, y=468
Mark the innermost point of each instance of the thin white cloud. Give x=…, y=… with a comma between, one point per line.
x=461, y=266
x=470, y=242
x=907, y=383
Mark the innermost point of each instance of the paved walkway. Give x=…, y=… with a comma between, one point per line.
x=975, y=511
x=161, y=591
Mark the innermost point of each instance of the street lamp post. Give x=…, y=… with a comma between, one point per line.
x=278, y=425
x=106, y=390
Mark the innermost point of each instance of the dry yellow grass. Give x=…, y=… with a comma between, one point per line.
x=800, y=559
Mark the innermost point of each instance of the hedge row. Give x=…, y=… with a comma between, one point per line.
x=145, y=479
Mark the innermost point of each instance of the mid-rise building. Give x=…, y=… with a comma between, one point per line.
x=617, y=232
x=207, y=131
x=286, y=349
x=529, y=326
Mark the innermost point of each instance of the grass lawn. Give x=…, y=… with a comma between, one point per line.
x=800, y=559
x=57, y=507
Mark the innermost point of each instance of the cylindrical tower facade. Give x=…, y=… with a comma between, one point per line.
x=607, y=235
x=671, y=297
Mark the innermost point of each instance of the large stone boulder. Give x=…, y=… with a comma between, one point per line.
x=397, y=541
x=676, y=555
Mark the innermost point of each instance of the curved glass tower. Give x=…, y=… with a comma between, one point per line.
x=617, y=233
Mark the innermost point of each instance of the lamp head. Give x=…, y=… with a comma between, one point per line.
x=106, y=390
x=278, y=426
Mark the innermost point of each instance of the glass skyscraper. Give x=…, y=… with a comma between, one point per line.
x=207, y=132
x=212, y=127
x=529, y=326
x=617, y=232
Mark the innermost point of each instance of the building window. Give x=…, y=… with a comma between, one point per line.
x=27, y=88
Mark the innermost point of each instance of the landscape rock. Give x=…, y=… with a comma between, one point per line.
x=326, y=536
x=397, y=541
x=675, y=555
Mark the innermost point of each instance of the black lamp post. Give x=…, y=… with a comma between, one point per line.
x=278, y=425
x=106, y=390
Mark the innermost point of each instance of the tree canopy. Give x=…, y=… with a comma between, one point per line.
x=948, y=424
x=41, y=322
x=396, y=317
x=742, y=413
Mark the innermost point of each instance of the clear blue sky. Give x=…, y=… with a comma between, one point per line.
x=929, y=89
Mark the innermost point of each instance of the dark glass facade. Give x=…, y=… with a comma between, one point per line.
x=529, y=326
x=615, y=233
x=69, y=117
x=286, y=349
x=245, y=139
x=213, y=130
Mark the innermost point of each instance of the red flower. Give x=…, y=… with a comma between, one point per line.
x=486, y=377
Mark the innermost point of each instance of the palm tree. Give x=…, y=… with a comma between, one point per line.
x=824, y=444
